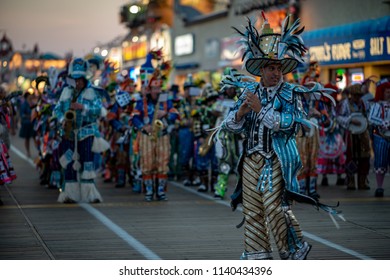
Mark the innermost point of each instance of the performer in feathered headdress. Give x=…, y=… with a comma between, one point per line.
x=270, y=114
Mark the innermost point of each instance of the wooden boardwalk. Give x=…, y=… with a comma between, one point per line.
x=189, y=226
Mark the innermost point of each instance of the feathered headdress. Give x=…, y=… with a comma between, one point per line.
x=261, y=49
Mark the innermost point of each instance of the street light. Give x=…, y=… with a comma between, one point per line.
x=134, y=9
x=104, y=53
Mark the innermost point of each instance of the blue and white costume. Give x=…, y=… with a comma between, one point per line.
x=270, y=159
x=78, y=145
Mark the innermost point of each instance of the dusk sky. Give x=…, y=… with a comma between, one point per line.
x=60, y=26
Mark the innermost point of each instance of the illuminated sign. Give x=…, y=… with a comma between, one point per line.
x=184, y=44
x=353, y=43
x=137, y=50
x=357, y=77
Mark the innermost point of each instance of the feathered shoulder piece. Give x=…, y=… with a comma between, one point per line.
x=235, y=79
x=317, y=90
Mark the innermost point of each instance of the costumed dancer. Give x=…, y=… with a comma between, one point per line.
x=205, y=117
x=186, y=134
x=379, y=119
x=46, y=136
x=312, y=74
x=229, y=146
x=270, y=114
x=152, y=115
x=7, y=172
x=78, y=110
x=331, y=154
x=174, y=164
x=352, y=117
x=119, y=118
x=308, y=144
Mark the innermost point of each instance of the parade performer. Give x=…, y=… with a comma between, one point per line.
x=308, y=144
x=331, y=154
x=312, y=74
x=186, y=134
x=78, y=110
x=118, y=118
x=352, y=116
x=45, y=131
x=175, y=169
x=205, y=117
x=152, y=115
x=270, y=114
x=379, y=118
x=7, y=172
x=227, y=150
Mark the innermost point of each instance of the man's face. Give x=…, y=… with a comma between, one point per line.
x=80, y=83
x=271, y=74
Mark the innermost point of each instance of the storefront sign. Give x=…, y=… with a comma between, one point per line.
x=133, y=51
x=353, y=43
x=184, y=44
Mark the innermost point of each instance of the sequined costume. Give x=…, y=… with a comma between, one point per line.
x=379, y=119
x=270, y=114
x=7, y=172
x=80, y=142
x=155, y=146
x=358, y=145
x=152, y=115
x=308, y=145
x=270, y=164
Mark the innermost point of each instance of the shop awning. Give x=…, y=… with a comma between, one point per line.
x=365, y=41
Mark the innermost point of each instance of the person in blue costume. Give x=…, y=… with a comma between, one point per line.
x=270, y=114
x=78, y=110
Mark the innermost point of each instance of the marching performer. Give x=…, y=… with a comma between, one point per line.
x=152, y=115
x=78, y=110
x=352, y=117
x=312, y=74
x=7, y=172
x=331, y=154
x=186, y=134
x=118, y=118
x=228, y=145
x=204, y=119
x=270, y=114
x=379, y=118
x=308, y=144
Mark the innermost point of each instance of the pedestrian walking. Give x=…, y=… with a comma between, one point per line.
x=27, y=131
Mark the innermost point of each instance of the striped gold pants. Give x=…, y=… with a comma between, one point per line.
x=155, y=156
x=263, y=211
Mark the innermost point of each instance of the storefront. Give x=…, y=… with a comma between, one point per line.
x=354, y=51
